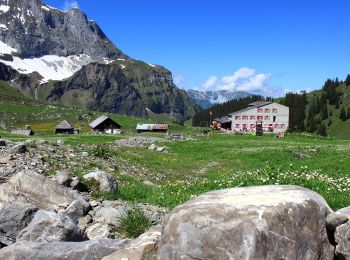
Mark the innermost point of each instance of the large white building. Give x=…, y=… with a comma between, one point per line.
x=274, y=117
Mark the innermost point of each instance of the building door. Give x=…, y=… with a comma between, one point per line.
x=274, y=118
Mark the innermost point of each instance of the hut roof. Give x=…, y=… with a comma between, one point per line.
x=100, y=120
x=22, y=132
x=64, y=125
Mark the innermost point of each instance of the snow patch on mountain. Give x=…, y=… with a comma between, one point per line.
x=50, y=67
x=4, y=8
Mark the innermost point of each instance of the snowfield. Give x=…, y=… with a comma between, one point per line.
x=50, y=67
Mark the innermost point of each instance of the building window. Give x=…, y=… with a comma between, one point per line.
x=260, y=118
x=267, y=118
x=244, y=126
x=237, y=117
x=237, y=125
x=252, y=126
x=274, y=118
x=245, y=117
x=267, y=110
x=252, y=117
x=260, y=110
x=274, y=110
x=282, y=126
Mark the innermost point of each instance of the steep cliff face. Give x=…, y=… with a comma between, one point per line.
x=35, y=30
x=63, y=57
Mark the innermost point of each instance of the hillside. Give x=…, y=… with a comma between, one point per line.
x=17, y=111
x=66, y=59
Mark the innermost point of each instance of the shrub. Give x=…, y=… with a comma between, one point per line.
x=101, y=152
x=133, y=223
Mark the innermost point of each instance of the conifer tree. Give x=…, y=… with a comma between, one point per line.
x=343, y=115
x=324, y=113
x=322, y=130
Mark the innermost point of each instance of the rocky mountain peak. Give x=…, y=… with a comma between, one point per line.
x=35, y=30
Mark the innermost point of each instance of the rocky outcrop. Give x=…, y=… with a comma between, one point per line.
x=263, y=222
x=107, y=183
x=56, y=32
x=87, y=250
x=50, y=226
x=144, y=247
x=34, y=188
x=14, y=218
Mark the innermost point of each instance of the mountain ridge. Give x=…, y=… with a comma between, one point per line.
x=43, y=51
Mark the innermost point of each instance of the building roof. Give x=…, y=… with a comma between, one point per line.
x=223, y=120
x=64, y=125
x=260, y=103
x=151, y=127
x=100, y=120
x=253, y=105
x=22, y=131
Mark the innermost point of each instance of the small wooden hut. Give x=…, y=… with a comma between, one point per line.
x=64, y=128
x=105, y=125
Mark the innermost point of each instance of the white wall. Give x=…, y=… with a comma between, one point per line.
x=282, y=118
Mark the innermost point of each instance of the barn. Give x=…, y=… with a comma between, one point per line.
x=27, y=132
x=152, y=128
x=105, y=125
x=64, y=128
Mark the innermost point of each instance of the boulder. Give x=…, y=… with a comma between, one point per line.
x=63, y=177
x=19, y=148
x=34, y=188
x=49, y=226
x=107, y=182
x=262, y=222
x=78, y=209
x=2, y=142
x=152, y=147
x=144, y=247
x=14, y=218
x=344, y=211
x=109, y=215
x=342, y=240
x=87, y=250
x=60, y=142
x=98, y=230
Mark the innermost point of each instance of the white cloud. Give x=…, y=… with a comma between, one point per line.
x=69, y=4
x=244, y=79
x=210, y=83
x=178, y=79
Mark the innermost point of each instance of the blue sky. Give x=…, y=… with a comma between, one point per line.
x=262, y=46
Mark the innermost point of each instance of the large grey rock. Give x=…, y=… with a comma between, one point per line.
x=87, y=250
x=98, y=230
x=107, y=182
x=342, y=240
x=34, y=188
x=109, y=215
x=14, y=218
x=143, y=247
x=344, y=211
x=263, y=222
x=50, y=226
x=19, y=148
x=78, y=209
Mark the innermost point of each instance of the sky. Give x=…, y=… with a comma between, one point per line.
x=264, y=47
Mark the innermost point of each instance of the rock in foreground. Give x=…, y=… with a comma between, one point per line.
x=88, y=250
x=264, y=222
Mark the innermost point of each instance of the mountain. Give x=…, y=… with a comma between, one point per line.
x=65, y=58
x=209, y=98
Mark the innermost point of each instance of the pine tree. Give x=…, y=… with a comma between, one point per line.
x=336, y=104
x=330, y=122
x=348, y=114
x=343, y=115
x=324, y=113
x=322, y=130
x=347, y=80
x=330, y=112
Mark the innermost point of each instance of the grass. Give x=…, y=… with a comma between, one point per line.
x=220, y=161
x=133, y=223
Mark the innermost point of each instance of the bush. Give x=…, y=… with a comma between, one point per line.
x=101, y=152
x=133, y=223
